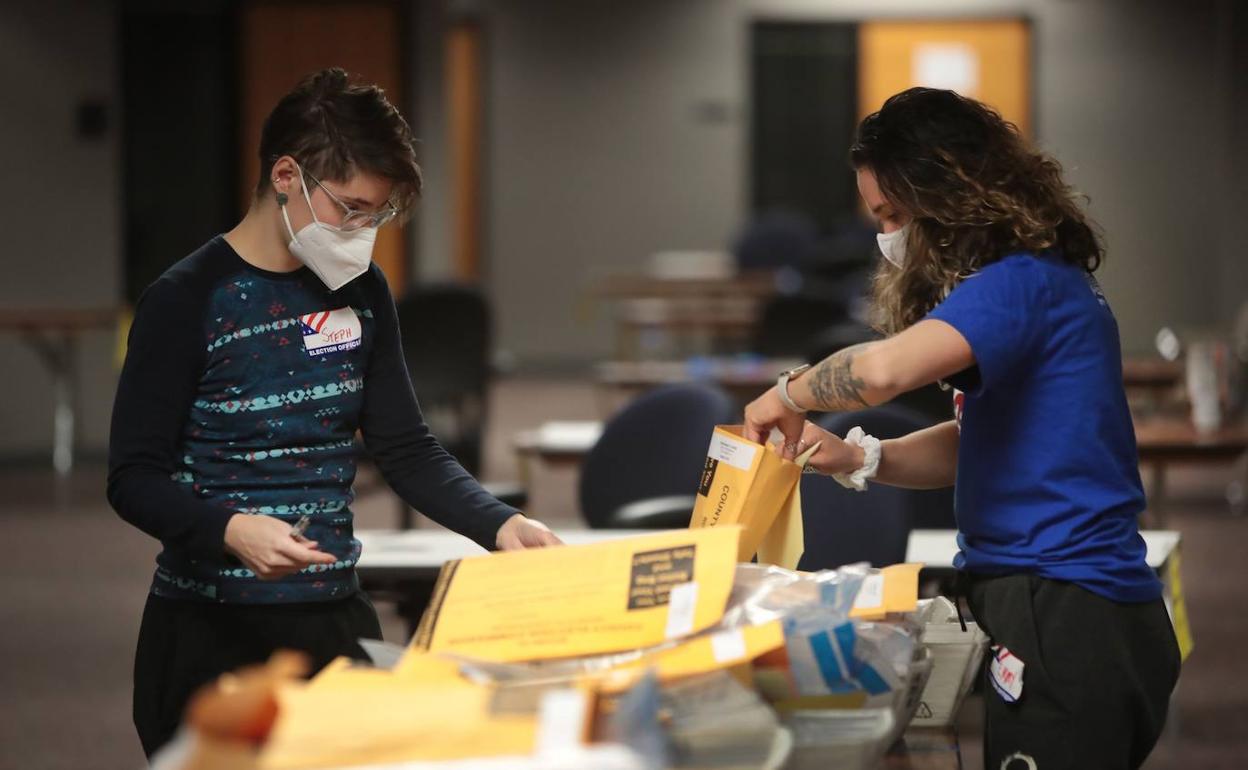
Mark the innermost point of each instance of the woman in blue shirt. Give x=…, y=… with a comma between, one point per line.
x=987, y=285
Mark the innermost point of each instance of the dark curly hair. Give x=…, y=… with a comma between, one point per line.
x=975, y=191
x=335, y=127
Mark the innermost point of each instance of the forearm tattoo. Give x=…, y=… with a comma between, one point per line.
x=833, y=384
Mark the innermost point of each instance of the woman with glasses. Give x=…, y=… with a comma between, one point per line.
x=986, y=284
x=250, y=367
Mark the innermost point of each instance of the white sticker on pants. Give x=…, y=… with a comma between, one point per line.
x=681, y=603
x=1005, y=671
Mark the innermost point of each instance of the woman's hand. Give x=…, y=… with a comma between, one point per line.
x=767, y=412
x=520, y=532
x=264, y=545
x=833, y=455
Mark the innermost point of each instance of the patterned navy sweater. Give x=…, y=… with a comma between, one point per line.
x=242, y=393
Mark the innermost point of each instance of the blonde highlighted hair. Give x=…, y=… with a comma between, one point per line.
x=975, y=191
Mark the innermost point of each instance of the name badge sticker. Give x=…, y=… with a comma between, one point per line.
x=330, y=331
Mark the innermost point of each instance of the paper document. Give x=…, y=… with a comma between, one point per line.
x=581, y=600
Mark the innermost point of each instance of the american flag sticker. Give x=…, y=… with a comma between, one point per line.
x=330, y=331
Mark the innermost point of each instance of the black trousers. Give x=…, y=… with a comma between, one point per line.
x=1097, y=679
x=184, y=645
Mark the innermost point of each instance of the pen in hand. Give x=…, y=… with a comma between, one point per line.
x=300, y=526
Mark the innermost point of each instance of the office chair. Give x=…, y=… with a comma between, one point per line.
x=446, y=332
x=643, y=472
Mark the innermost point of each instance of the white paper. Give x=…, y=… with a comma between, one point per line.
x=561, y=720
x=871, y=594
x=728, y=646
x=733, y=451
x=572, y=435
x=954, y=66
x=681, y=603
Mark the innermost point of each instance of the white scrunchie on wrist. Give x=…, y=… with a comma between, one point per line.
x=870, y=462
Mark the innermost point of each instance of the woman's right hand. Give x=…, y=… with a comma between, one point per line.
x=264, y=545
x=767, y=412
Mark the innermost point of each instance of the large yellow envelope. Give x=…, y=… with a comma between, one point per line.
x=710, y=652
x=359, y=716
x=751, y=485
x=581, y=600
x=894, y=588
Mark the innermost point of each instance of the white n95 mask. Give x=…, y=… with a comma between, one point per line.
x=336, y=256
x=893, y=245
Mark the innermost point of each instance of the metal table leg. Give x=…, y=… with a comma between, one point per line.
x=59, y=355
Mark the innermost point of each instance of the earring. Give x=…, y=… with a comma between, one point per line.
x=281, y=199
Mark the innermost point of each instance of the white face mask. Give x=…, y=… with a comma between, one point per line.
x=893, y=245
x=336, y=256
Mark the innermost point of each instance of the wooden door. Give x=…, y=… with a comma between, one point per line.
x=282, y=42
x=988, y=60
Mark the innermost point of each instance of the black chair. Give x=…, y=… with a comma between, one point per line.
x=447, y=335
x=777, y=239
x=643, y=472
x=843, y=526
x=790, y=325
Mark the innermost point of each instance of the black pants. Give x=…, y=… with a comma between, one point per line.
x=184, y=645
x=1097, y=679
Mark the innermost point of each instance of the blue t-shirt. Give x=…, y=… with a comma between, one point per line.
x=1048, y=475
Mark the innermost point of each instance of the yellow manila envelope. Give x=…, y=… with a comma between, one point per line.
x=712, y=652
x=418, y=664
x=570, y=601
x=785, y=541
x=356, y=716
x=702, y=654
x=751, y=485
x=893, y=589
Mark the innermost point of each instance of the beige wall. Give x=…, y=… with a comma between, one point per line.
x=598, y=157
x=61, y=243
x=616, y=129
x=599, y=151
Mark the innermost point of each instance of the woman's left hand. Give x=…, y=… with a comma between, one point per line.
x=520, y=532
x=833, y=455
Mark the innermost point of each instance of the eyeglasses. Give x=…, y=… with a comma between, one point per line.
x=352, y=218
